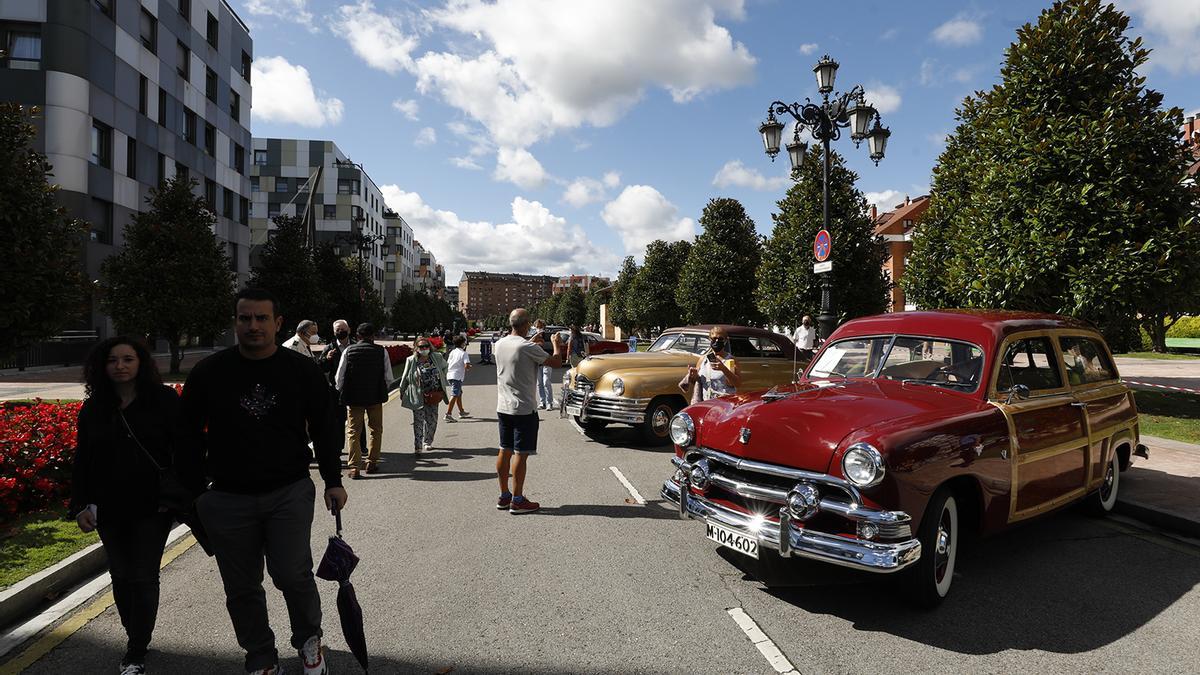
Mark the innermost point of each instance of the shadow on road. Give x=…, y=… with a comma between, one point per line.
x=652, y=510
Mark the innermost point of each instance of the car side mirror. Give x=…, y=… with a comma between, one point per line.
x=1017, y=392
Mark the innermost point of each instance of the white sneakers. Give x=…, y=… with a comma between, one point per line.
x=313, y=657
x=427, y=447
x=132, y=669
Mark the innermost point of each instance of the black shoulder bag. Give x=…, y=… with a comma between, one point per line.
x=173, y=495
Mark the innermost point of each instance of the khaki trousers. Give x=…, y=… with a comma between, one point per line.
x=374, y=415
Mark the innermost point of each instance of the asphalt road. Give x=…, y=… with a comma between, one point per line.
x=598, y=583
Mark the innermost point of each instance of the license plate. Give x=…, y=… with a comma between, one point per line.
x=574, y=410
x=732, y=539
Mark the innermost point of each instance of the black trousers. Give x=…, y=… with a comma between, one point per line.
x=134, y=545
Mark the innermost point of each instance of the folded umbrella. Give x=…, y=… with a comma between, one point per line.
x=336, y=565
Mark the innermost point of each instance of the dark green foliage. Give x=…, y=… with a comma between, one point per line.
x=654, y=305
x=287, y=269
x=40, y=245
x=339, y=284
x=787, y=286
x=572, y=308
x=172, y=276
x=415, y=312
x=624, y=296
x=1060, y=188
x=718, y=281
x=595, y=298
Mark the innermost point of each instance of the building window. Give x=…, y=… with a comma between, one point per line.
x=273, y=210
x=102, y=228
x=162, y=168
x=212, y=30
x=227, y=202
x=244, y=211
x=210, y=194
x=260, y=158
x=143, y=94
x=245, y=66
x=101, y=144
x=239, y=159
x=189, y=126
x=182, y=173
x=233, y=257
x=22, y=46
x=185, y=9
x=347, y=186
x=148, y=28
x=254, y=185
x=183, y=64
x=210, y=84
x=105, y=7
x=235, y=106
x=131, y=157
x=210, y=139
x=162, y=106
x=281, y=184
x=391, y=266
x=330, y=211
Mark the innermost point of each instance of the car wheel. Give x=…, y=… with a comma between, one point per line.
x=928, y=581
x=1104, y=500
x=591, y=426
x=656, y=428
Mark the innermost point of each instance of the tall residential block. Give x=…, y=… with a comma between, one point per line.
x=484, y=294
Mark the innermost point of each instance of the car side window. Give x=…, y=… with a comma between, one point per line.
x=1085, y=360
x=685, y=343
x=740, y=347
x=767, y=349
x=1029, y=362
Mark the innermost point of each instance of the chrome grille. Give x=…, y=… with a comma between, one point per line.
x=583, y=385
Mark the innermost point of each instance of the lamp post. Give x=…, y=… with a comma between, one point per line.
x=824, y=120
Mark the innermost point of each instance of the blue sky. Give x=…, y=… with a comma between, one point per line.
x=558, y=136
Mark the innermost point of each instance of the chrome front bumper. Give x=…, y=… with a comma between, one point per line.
x=592, y=406
x=847, y=552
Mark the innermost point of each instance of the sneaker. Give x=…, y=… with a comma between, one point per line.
x=504, y=501
x=523, y=505
x=354, y=473
x=462, y=414
x=427, y=447
x=449, y=418
x=417, y=451
x=133, y=669
x=313, y=657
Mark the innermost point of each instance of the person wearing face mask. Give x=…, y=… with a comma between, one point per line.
x=423, y=385
x=363, y=378
x=329, y=360
x=715, y=370
x=305, y=339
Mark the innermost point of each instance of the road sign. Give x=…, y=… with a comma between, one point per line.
x=821, y=267
x=822, y=246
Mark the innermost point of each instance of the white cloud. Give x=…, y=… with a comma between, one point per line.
x=408, y=108
x=884, y=97
x=808, y=48
x=612, y=179
x=1172, y=31
x=641, y=214
x=959, y=32
x=465, y=163
x=376, y=38
x=284, y=93
x=425, y=137
x=535, y=241
x=289, y=10
x=885, y=200
x=934, y=73
x=735, y=173
x=520, y=168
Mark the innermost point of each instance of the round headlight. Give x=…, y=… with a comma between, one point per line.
x=683, y=430
x=862, y=465
x=618, y=386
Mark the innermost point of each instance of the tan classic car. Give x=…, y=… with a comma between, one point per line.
x=641, y=388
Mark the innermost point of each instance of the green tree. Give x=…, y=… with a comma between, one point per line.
x=717, y=283
x=787, y=286
x=287, y=269
x=336, y=276
x=1060, y=189
x=546, y=309
x=172, y=277
x=595, y=298
x=654, y=304
x=41, y=274
x=623, y=290
x=572, y=307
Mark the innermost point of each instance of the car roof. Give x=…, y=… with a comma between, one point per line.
x=983, y=326
x=784, y=342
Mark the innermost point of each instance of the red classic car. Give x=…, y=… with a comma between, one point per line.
x=596, y=343
x=907, y=431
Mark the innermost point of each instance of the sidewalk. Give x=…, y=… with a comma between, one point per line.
x=1165, y=489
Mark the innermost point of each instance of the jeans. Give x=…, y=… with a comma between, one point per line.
x=277, y=526
x=134, y=546
x=546, y=386
x=374, y=415
x=425, y=421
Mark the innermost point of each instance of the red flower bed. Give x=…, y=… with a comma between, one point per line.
x=398, y=353
x=37, y=444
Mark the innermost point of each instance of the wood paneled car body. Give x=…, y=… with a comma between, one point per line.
x=908, y=430
x=641, y=388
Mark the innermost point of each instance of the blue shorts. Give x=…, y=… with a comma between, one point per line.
x=455, y=387
x=518, y=433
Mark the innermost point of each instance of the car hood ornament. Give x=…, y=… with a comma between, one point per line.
x=744, y=437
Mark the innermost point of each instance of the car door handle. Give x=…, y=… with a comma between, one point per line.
x=1078, y=404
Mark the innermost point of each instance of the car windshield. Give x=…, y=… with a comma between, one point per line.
x=921, y=360
x=680, y=342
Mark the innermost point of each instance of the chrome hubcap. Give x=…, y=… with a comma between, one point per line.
x=661, y=420
x=1106, y=488
x=942, y=548
x=943, y=542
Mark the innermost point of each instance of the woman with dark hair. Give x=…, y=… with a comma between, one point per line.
x=126, y=428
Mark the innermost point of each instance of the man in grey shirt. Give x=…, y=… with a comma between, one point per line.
x=517, y=362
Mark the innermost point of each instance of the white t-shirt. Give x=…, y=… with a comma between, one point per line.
x=805, y=337
x=456, y=367
x=517, y=362
x=297, y=344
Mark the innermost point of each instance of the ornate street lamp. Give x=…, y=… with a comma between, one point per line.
x=824, y=120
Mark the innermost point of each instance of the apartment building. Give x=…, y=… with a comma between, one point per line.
x=895, y=228
x=134, y=92
x=484, y=294
x=400, y=256
x=430, y=276
x=583, y=281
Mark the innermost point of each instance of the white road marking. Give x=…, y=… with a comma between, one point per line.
x=628, y=486
x=765, y=646
x=1163, y=386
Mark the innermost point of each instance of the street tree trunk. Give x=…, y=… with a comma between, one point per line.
x=176, y=354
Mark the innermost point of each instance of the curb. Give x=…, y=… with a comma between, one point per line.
x=1159, y=518
x=31, y=592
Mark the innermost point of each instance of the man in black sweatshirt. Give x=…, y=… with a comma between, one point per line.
x=248, y=414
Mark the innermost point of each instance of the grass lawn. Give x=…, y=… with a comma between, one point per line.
x=1156, y=355
x=1169, y=414
x=36, y=541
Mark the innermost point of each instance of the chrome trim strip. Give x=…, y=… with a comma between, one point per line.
x=853, y=553
x=781, y=471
